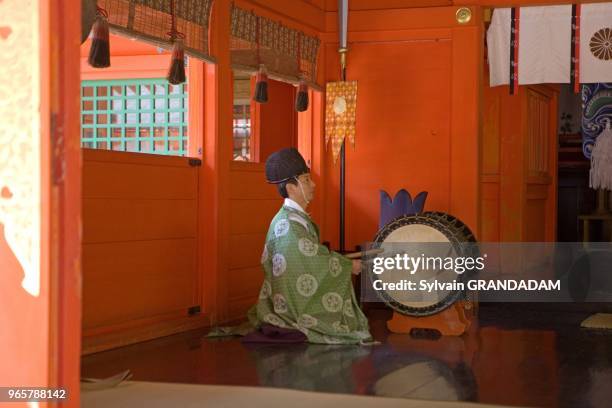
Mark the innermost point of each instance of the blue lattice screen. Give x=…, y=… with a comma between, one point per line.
x=135, y=115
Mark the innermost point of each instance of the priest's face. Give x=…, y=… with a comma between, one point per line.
x=303, y=191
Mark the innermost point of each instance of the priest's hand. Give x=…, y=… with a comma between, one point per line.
x=356, y=266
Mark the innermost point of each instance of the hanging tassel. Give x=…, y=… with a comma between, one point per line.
x=301, y=99
x=261, y=85
x=261, y=79
x=176, y=73
x=99, y=53
x=88, y=18
x=601, y=161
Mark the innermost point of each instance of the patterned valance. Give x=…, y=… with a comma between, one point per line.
x=151, y=21
x=287, y=54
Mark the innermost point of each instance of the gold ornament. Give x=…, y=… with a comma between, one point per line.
x=463, y=15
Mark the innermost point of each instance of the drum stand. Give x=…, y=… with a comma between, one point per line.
x=452, y=321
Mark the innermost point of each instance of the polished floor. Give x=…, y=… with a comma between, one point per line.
x=517, y=355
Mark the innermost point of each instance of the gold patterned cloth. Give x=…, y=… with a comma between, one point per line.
x=340, y=109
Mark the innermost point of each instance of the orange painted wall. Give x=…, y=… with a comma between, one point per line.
x=417, y=116
x=215, y=171
x=519, y=164
x=129, y=59
x=65, y=209
x=154, y=239
x=403, y=128
x=275, y=121
x=253, y=203
x=40, y=336
x=490, y=158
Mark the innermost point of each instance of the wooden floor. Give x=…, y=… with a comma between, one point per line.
x=518, y=355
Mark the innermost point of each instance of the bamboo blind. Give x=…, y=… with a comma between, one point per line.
x=151, y=21
x=287, y=54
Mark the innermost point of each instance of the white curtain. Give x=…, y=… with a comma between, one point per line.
x=596, y=43
x=545, y=44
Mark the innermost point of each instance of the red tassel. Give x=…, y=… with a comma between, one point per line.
x=261, y=85
x=176, y=73
x=99, y=53
x=301, y=99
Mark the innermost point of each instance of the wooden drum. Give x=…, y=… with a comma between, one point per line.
x=450, y=236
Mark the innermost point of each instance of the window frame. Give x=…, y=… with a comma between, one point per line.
x=153, y=98
x=156, y=66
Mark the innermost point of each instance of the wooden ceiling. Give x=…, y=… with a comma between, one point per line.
x=332, y=5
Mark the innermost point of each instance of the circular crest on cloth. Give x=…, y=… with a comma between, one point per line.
x=279, y=265
x=340, y=328
x=307, y=247
x=281, y=227
x=280, y=303
x=307, y=321
x=306, y=285
x=334, y=266
x=284, y=165
x=332, y=302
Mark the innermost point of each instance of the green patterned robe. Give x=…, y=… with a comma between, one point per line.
x=306, y=286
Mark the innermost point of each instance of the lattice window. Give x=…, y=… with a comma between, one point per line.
x=135, y=115
x=242, y=132
x=242, y=118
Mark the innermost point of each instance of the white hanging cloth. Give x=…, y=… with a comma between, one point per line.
x=596, y=43
x=544, y=46
x=498, y=47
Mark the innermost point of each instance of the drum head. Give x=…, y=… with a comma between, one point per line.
x=420, y=231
